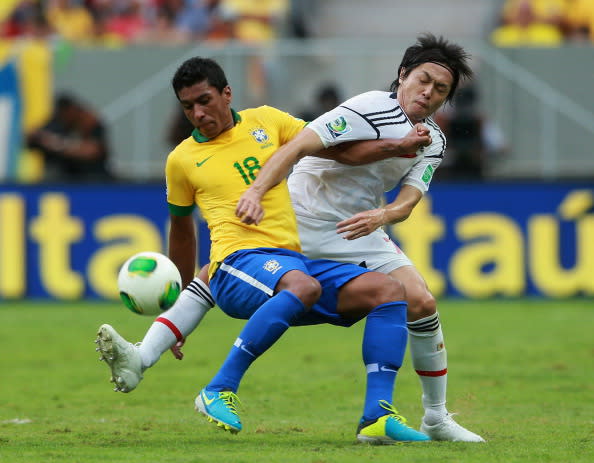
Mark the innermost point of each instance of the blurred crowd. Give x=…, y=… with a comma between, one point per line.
x=121, y=22
x=547, y=23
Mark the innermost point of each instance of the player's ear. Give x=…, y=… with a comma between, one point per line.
x=227, y=93
x=402, y=75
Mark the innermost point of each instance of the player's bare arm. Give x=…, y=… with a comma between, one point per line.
x=364, y=152
x=365, y=222
x=249, y=207
x=182, y=246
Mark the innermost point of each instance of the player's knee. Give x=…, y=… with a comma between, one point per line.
x=420, y=305
x=383, y=289
x=306, y=288
x=392, y=290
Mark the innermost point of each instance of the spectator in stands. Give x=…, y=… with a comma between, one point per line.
x=73, y=143
x=128, y=22
x=71, y=20
x=473, y=140
x=543, y=11
x=255, y=21
x=580, y=21
x=327, y=97
x=525, y=29
x=26, y=19
x=179, y=128
x=300, y=24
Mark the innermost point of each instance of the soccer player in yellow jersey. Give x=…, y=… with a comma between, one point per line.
x=257, y=272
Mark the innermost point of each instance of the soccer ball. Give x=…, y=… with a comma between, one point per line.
x=149, y=283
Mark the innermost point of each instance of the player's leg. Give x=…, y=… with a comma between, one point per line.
x=128, y=361
x=384, y=344
x=270, y=291
x=350, y=293
x=429, y=358
x=174, y=325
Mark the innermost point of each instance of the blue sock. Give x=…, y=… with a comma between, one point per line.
x=261, y=331
x=384, y=344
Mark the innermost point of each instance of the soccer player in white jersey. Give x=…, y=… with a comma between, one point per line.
x=339, y=204
x=428, y=76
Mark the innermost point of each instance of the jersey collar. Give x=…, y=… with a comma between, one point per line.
x=202, y=139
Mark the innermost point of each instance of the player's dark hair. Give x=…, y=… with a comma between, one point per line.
x=430, y=49
x=196, y=70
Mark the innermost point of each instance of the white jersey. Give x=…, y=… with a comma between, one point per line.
x=325, y=189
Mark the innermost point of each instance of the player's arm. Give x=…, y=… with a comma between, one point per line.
x=365, y=222
x=364, y=152
x=249, y=207
x=182, y=246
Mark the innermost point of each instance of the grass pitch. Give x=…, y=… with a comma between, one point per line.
x=521, y=375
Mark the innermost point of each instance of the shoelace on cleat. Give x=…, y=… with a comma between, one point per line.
x=393, y=412
x=231, y=400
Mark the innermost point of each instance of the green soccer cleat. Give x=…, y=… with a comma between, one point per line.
x=121, y=356
x=388, y=429
x=220, y=407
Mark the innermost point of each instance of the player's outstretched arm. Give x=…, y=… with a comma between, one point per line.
x=249, y=207
x=364, y=152
x=363, y=223
x=182, y=246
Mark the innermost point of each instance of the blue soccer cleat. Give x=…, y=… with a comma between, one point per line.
x=220, y=407
x=388, y=429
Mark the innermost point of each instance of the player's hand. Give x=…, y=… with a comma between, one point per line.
x=361, y=224
x=418, y=137
x=249, y=208
x=176, y=349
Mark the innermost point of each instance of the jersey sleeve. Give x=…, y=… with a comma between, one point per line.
x=180, y=193
x=421, y=174
x=345, y=123
x=288, y=125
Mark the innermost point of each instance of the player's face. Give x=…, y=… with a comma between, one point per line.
x=206, y=108
x=424, y=90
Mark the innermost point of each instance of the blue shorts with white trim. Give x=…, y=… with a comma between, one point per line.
x=247, y=278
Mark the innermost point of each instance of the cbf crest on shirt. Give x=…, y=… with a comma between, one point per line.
x=214, y=173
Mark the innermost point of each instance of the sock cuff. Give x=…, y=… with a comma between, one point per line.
x=199, y=291
x=399, y=307
x=426, y=326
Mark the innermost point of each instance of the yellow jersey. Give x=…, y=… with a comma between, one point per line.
x=214, y=173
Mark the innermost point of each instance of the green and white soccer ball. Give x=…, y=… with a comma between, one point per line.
x=149, y=283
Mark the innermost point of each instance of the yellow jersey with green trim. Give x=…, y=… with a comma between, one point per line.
x=214, y=173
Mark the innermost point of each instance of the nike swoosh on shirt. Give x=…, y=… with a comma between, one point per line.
x=198, y=164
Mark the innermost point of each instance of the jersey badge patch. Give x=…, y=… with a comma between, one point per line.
x=272, y=266
x=338, y=127
x=427, y=174
x=261, y=137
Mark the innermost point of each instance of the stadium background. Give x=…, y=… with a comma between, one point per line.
x=527, y=228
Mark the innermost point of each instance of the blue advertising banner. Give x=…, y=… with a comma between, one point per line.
x=470, y=240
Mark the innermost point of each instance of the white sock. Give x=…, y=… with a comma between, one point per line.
x=176, y=323
x=429, y=359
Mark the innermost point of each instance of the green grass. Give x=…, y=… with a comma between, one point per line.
x=521, y=375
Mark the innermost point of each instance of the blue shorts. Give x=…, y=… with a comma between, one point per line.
x=246, y=279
